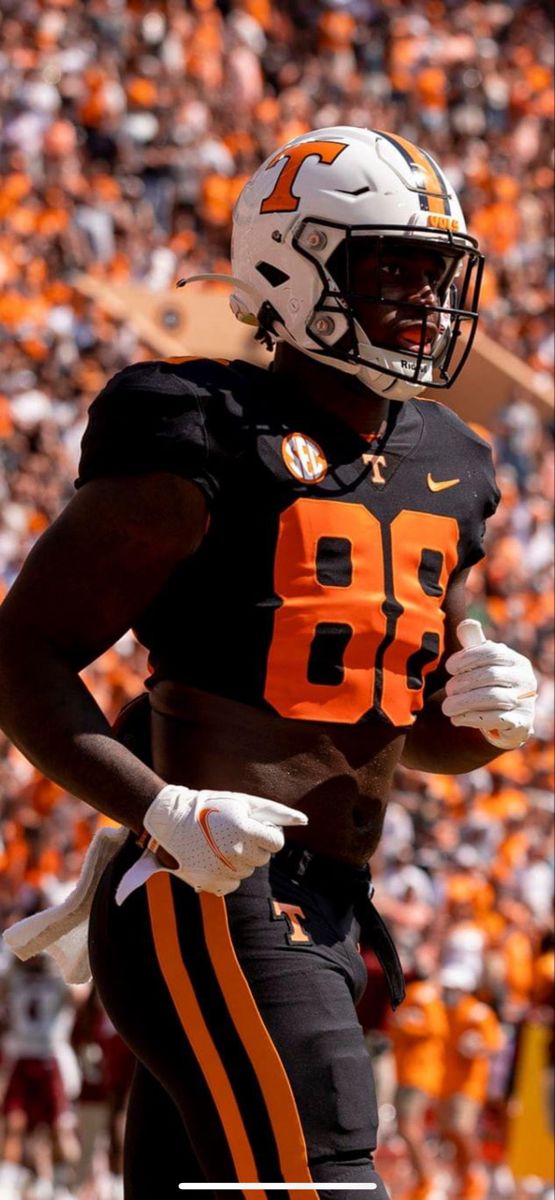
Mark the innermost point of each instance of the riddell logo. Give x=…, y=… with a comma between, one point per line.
x=304, y=458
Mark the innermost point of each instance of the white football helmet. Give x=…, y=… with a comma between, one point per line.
x=296, y=230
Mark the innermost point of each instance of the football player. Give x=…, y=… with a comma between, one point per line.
x=39, y=1124
x=291, y=545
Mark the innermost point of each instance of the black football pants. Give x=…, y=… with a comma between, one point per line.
x=252, y=1063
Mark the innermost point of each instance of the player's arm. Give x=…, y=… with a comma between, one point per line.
x=486, y=706
x=83, y=586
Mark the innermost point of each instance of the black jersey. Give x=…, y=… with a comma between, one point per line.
x=318, y=590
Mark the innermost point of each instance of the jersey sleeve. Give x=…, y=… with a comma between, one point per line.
x=483, y=497
x=152, y=417
x=467, y=457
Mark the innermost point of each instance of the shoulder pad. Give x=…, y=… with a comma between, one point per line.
x=173, y=375
x=440, y=412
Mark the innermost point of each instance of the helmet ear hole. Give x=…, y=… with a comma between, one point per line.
x=274, y=275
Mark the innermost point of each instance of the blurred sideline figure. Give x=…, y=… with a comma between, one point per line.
x=39, y=1124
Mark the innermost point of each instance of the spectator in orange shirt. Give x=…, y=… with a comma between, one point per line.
x=473, y=1035
x=419, y=1031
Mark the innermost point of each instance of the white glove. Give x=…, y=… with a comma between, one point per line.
x=493, y=688
x=217, y=838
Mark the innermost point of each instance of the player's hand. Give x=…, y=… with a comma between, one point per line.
x=215, y=838
x=492, y=688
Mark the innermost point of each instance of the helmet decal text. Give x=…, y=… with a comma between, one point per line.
x=443, y=222
x=282, y=198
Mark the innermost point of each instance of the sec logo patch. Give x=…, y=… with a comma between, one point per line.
x=304, y=458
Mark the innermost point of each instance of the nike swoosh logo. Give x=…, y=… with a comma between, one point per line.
x=441, y=485
x=202, y=819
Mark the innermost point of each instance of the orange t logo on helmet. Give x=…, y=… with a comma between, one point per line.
x=282, y=199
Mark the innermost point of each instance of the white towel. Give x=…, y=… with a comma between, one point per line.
x=62, y=930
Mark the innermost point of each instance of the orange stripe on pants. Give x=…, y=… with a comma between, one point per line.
x=176, y=977
x=270, y=1072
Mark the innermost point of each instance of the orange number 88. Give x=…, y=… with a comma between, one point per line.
x=356, y=610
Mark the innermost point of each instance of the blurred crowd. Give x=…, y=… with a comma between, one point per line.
x=128, y=130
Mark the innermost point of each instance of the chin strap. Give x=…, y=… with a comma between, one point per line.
x=208, y=276
x=238, y=309
x=265, y=317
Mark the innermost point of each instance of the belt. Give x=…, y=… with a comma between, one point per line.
x=343, y=881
